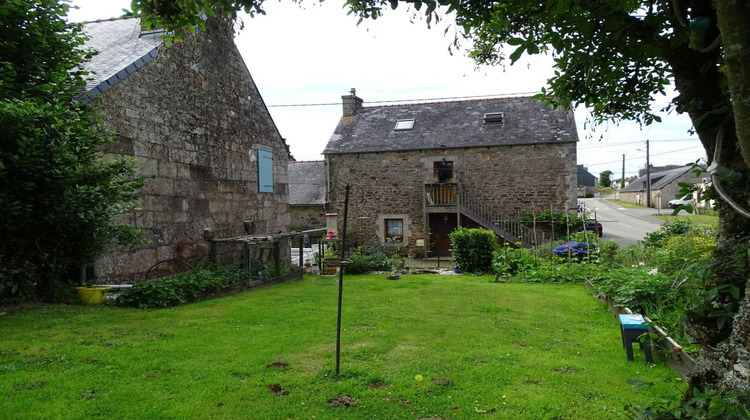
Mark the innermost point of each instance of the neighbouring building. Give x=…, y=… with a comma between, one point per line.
x=195, y=122
x=419, y=171
x=665, y=186
x=587, y=183
x=307, y=195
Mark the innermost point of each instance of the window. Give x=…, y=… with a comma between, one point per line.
x=265, y=171
x=494, y=118
x=394, y=230
x=402, y=125
x=443, y=171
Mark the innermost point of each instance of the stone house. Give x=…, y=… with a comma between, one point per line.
x=195, y=122
x=419, y=171
x=665, y=186
x=307, y=195
x=587, y=183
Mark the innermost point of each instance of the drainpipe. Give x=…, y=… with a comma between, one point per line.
x=328, y=183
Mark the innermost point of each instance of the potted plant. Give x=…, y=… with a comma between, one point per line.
x=89, y=293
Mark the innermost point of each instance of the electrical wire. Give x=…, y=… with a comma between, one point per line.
x=717, y=181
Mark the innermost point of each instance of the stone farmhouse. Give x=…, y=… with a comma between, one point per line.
x=419, y=171
x=665, y=186
x=195, y=122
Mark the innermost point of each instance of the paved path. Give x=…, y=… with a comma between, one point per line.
x=622, y=225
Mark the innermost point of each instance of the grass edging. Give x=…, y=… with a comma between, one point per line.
x=680, y=362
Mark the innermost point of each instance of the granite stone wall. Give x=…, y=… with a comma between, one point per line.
x=307, y=217
x=194, y=121
x=512, y=179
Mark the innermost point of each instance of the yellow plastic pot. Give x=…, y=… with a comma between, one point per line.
x=94, y=295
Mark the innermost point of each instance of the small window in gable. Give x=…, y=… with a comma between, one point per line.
x=494, y=118
x=265, y=171
x=402, y=125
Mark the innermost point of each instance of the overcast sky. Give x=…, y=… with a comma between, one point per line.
x=304, y=60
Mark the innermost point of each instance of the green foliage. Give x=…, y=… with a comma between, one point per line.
x=560, y=222
x=472, y=249
x=700, y=404
x=368, y=259
x=180, y=289
x=605, y=179
x=667, y=229
x=508, y=261
x=58, y=197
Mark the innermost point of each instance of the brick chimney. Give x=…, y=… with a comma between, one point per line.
x=352, y=103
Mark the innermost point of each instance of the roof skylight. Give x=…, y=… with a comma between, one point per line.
x=402, y=125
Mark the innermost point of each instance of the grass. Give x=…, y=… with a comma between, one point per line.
x=700, y=220
x=483, y=350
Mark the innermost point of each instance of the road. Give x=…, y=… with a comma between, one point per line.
x=624, y=226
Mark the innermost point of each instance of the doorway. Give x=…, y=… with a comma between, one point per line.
x=441, y=225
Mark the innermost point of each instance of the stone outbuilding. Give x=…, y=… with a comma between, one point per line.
x=587, y=183
x=419, y=171
x=195, y=122
x=665, y=186
x=307, y=195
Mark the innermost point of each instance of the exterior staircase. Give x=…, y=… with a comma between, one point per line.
x=489, y=217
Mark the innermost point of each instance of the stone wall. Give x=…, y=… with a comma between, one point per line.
x=513, y=179
x=307, y=217
x=194, y=121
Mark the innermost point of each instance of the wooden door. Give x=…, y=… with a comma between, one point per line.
x=441, y=225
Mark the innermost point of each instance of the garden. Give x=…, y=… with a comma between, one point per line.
x=515, y=335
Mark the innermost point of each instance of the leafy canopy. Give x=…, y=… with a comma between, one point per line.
x=58, y=197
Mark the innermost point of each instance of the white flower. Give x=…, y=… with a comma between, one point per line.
x=654, y=271
x=641, y=264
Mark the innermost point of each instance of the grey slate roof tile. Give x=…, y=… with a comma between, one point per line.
x=659, y=179
x=122, y=51
x=306, y=183
x=452, y=124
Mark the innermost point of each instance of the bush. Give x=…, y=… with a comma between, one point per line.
x=667, y=229
x=509, y=261
x=559, y=222
x=367, y=259
x=472, y=249
x=180, y=289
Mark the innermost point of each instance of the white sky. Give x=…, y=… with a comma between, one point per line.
x=317, y=54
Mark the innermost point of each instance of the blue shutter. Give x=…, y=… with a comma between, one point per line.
x=265, y=171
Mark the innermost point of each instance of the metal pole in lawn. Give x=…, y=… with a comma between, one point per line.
x=341, y=281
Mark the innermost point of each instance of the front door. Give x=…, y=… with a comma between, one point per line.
x=441, y=225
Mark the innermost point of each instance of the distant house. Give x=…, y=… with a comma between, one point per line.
x=419, y=171
x=664, y=187
x=194, y=120
x=307, y=195
x=587, y=183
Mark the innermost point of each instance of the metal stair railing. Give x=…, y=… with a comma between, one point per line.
x=491, y=218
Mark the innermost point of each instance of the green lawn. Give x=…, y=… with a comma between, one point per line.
x=483, y=350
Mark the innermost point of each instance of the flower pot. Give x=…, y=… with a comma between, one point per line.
x=92, y=295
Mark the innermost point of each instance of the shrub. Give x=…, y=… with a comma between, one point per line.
x=559, y=222
x=367, y=259
x=472, y=249
x=181, y=289
x=509, y=261
x=667, y=229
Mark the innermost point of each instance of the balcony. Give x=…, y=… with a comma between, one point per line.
x=441, y=195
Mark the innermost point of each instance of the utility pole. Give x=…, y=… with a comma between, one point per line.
x=622, y=179
x=648, y=178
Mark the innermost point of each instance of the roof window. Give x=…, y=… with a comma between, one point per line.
x=402, y=125
x=494, y=118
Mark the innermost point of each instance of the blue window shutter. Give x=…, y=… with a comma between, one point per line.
x=265, y=171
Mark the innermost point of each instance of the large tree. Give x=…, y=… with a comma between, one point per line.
x=58, y=196
x=614, y=56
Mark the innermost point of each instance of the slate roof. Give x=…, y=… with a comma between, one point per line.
x=658, y=180
x=452, y=124
x=585, y=178
x=307, y=183
x=122, y=50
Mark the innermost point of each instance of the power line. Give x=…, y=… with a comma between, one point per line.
x=641, y=157
x=447, y=98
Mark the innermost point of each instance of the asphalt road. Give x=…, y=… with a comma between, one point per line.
x=624, y=226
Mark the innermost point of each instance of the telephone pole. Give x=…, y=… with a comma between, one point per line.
x=648, y=178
